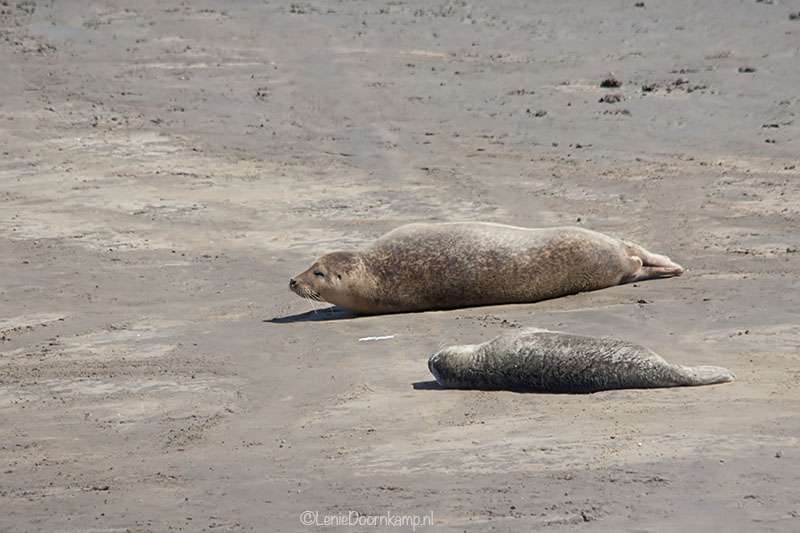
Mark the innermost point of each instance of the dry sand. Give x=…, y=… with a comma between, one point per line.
x=166, y=167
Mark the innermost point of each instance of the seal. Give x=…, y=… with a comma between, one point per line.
x=538, y=360
x=420, y=267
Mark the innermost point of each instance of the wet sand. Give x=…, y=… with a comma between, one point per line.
x=166, y=168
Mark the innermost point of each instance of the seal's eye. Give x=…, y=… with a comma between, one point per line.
x=320, y=274
x=339, y=276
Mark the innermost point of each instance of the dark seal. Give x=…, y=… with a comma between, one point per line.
x=537, y=360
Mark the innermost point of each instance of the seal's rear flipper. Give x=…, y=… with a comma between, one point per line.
x=707, y=375
x=653, y=265
x=647, y=272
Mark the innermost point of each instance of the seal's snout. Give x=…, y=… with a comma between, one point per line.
x=292, y=283
x=433, y=364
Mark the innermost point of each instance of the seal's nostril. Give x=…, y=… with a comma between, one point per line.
x=292, y=283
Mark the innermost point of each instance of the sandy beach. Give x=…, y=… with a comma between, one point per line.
x=167, y=166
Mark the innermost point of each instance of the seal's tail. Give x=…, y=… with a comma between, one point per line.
x=706, y=375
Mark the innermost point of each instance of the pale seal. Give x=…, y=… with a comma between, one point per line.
x=537, y=360
x=418, y=267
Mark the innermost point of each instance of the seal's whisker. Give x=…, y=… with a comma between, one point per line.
x=311, y=302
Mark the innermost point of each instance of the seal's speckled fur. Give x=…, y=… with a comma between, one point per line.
x=443, y=266
x=536, y=360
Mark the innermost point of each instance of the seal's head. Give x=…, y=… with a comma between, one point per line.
x=338, y=278
x=444, y=363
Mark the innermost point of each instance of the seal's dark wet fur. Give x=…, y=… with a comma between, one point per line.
x=535, y=360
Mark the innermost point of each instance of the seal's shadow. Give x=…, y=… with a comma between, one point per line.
x=426, y=385
x=323, y=315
